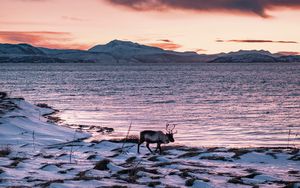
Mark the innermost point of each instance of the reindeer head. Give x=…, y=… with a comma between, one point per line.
x=170, y=133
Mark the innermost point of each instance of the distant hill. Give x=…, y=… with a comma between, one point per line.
x=19, y=49
x=117, y=51
x=254, y=56
x=246, y=56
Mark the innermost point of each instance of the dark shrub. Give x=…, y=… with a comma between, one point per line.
x=102, y=165
x=190, y=182
x=5, y=151
x=3, y=95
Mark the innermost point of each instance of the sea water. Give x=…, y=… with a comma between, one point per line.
x=234, y=105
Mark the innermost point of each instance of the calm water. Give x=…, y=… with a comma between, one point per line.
x=213, y=104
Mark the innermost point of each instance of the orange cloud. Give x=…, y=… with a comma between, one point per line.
x=47, y=39
x=288, y=53
x=165, y=40
x=258, y=41
x=165, y=44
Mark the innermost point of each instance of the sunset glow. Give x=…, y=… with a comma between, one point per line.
x=202, y=26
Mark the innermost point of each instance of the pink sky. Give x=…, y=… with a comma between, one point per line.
x=197, y=25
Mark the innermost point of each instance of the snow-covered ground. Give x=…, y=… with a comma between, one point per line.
x=38, y=153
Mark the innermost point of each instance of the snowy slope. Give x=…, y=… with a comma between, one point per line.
x=24, y=123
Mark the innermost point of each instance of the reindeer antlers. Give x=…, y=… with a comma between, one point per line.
x=170, y=127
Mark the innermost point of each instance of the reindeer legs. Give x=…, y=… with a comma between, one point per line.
x=158, y=148
x=138, y=149
x=148, y=147
x=140, y=142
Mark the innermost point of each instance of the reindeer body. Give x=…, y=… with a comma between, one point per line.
x=154, y=136
x=157, y=137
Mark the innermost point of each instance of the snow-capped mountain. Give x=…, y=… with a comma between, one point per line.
x=134, y=52
x=125, y=48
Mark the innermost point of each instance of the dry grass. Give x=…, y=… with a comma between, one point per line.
x=272, y=155
x=53, y=119
x=153, y=184
x=235, y=180
x=129, y=139
x=295, y=158
x=130, y=159
x=93, y=156
x=290, y=184
x=189, y=154
x=3, y=95
x=163, y=164
x=184, y=173
x=48, y=183
x=190, y=182
x=217, y=158
x=102, y=165
x=153, y=158
x=238, y=180
x=48, y=156
x=5, y=151
x=293, y=172
x=252, y=175
x=133, y=173
x=43, y=105
x=238, y=152
x=82, y=176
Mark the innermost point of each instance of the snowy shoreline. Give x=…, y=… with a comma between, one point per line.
x=37, y=153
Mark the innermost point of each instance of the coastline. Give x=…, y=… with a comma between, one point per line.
x=39, y=153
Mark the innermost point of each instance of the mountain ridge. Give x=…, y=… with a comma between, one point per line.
x=117, y=51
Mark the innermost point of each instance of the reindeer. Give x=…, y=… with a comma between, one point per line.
x=158, y=137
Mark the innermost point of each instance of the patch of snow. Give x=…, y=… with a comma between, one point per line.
x=202, y=184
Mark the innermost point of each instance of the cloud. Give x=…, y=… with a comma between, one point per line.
x=250, y=7
x=47, y=39
x=288, y=53
x=258, y=41
x=165, y=40
x=166, y=46
x=25, y=23
x=71, y=18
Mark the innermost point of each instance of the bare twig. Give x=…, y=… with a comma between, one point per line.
x=295, y=138
x=289, y=138
x=33, y=140
x=128, y=131
x=71, y=151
